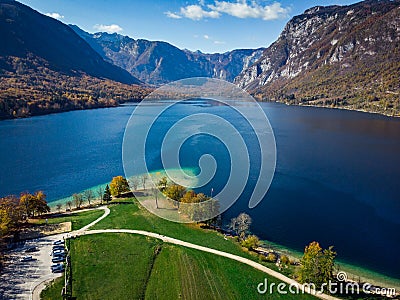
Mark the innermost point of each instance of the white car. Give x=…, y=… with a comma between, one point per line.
x=58, y=252
x=27, y=258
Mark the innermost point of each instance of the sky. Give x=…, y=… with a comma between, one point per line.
x=206, y=25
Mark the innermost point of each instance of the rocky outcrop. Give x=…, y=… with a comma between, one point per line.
x=336, y=55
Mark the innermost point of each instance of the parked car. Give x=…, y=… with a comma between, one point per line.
x=58, y=252
x=27, y=258
x=58, y=269
x=58, y=247
x=31, y=249
x=59, y=242
x=57, y=259
x=57, y=265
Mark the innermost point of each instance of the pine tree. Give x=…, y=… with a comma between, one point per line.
x=107, y=194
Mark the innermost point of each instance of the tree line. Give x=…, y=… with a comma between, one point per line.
x=14, y=211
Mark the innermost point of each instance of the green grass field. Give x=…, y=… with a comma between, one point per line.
x=134, y=216
x=78, y=219
x=124, y=266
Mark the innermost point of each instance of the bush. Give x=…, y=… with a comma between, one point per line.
x=284, y=260
x=251, y=242
x=271, y=257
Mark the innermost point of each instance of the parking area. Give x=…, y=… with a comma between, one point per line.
x=19, y=278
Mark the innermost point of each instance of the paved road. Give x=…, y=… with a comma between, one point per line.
x=25, y=280
x=19, y=278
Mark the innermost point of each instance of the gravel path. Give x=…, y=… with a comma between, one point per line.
x=27, y=280
x=246, y=261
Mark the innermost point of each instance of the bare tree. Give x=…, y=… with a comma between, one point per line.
x=68, y=204
x=144, y=179
x=88, y=195
x=154, y=191
x=241, y=224
x=58, y=207
x=100, y=193
x=78, y=200
x=134, y=182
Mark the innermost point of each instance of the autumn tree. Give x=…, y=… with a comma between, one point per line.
x=162, y=183
x=34, y=204
x=107, y=194
x=26, y=201
x=175, y=192
x=118, y=186
x=11, y=214
x=317, y=264
x=40, y=204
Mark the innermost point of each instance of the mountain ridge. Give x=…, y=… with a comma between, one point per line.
x=158, y=62
x=335, y=56
x=46, y=67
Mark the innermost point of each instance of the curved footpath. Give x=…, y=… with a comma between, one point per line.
x=84, y=231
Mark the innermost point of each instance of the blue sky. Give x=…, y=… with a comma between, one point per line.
x=206, y=25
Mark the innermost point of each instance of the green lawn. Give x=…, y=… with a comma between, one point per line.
x=133, y=216
x=78, y=219
x=124, y=266
x=53, y=290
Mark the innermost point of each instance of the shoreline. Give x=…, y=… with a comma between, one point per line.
x=397, y=116
x=353, y=271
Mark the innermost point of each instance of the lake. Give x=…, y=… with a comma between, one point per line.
x=336, y=180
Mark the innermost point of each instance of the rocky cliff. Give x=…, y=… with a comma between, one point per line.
x=338, y=56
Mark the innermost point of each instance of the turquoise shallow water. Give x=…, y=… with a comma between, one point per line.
x=336, y=179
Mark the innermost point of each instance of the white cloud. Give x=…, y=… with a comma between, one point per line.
x=206, y=37
x=113, y=28
x=243, y=9
x=219, y=42
x=172, y=15
x=55, y=15
x=239, y=9
x=196, y=12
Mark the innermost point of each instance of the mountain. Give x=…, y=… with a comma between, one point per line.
x=46, y=67
x=23, y=31
x=337, y=56
x=158, y=62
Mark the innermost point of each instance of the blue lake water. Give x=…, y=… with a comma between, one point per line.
x=336, y=181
